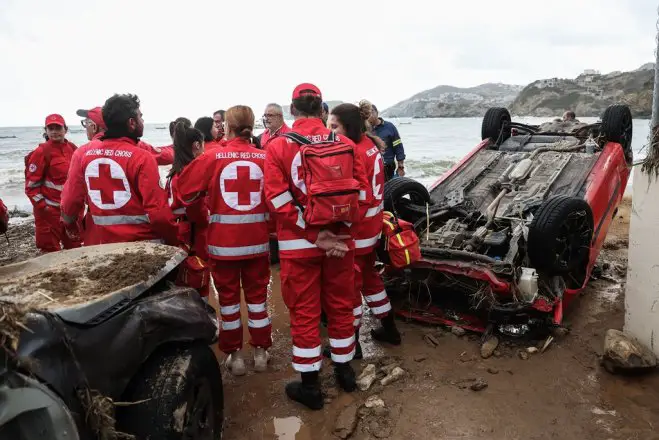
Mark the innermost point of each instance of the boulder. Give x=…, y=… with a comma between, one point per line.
x=626, y=353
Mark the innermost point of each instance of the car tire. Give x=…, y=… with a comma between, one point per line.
x=560, y=235
x=496, y=125
x=617, y=126
x=395, y=200
x=179, y=394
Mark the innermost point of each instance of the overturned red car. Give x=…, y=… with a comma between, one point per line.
x=510, y=234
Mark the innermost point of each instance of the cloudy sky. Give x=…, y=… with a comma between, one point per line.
x=190, y=58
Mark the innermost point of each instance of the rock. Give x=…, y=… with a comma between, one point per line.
x=431, y=340
x=395, y=375
x=532, y=350
x=374, y=402
x=559, y=332
x=387, y=369
x=479, y=385
x=626, y=353
x=497, y=353
x=420, y=358
x=523, y=355
x=458, y=331
x=346, y=422
x=488, y=347
x=367, y=377
x=492, y=370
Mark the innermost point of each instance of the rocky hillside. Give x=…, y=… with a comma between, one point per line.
x=455, y=102
x=588, y=94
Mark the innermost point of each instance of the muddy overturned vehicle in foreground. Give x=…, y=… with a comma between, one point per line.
x=511, y=233
x=97, y=342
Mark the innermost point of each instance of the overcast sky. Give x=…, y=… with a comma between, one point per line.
x=190, y=58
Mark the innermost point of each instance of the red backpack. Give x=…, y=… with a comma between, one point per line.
x=46, y=155
x=332, y=191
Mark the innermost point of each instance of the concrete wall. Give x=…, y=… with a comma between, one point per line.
x=642, y=295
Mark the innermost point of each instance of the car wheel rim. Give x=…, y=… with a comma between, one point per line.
x=199, y=417
x=573, y=240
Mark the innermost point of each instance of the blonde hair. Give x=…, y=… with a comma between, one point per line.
x=240, y=121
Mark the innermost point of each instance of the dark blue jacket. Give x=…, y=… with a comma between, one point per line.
x=389, y=134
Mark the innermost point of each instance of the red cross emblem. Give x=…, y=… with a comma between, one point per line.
x=240, y=182
x=106, y=184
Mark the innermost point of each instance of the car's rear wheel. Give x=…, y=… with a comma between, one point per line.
x=496, y=125
x=560, y=235
x=617, y=127
x=178, y=394
x=406, y=197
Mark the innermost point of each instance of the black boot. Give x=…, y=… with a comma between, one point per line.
x=388, y=332
x=345, y=376
x=307, y=392
x=358, y=347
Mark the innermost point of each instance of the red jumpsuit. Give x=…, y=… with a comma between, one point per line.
x=367, y=280
x=237, y=235
x=267, y=137
x=308, y=277
x=192, y=223
x=46, y=173
x=4, y=218
x=120, y=183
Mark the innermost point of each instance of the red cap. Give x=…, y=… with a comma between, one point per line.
x=55, y=119
x=306, y=89
x=95, y=115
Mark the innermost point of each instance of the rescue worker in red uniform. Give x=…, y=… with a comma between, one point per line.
x=4, y=217
x=46, y=171
x=317, y=263
x=273, y=121
x=238, y=235
x=351, y=121
x=75, y=187
x=120, y=183
x=193, y=219
x=211, y=133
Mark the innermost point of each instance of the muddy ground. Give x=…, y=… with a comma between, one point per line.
x=562, y=393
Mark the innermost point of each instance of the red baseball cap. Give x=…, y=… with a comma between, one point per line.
x=306, y=89
x=55, y=119
x=95, y=115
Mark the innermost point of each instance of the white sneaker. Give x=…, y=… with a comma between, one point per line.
x=236, y=364
x=261, y=358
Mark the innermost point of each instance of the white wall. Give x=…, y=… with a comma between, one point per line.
x=642, y=295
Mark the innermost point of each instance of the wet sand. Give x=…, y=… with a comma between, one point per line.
x=562, y=393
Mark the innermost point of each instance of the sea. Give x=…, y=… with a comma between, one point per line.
x=432, y=146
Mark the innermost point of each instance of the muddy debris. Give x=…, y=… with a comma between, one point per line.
x=396, y=374
x=523, y=355
x=367, y=377
x=489, y=346
x=532, y=350
x=458, y=331
x=625, y=353
x=127, y=269
x=374, y=402
x=492, y=370
x=420, y=358
x=431, y=340
x=478, y=385
x=346, y=422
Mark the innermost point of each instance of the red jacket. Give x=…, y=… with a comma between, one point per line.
x=284, y=189
x=369, y=230
x=46, y=173
x=186, y=216
x=4, y=217
x=120, y=183
x=215, y=144
x=267, y=137
x=163, y=155
x=233, y=178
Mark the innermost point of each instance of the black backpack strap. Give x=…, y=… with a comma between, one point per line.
x=296, y=137
x=331, y=137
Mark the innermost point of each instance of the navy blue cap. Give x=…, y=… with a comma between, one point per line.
x=326, y=107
